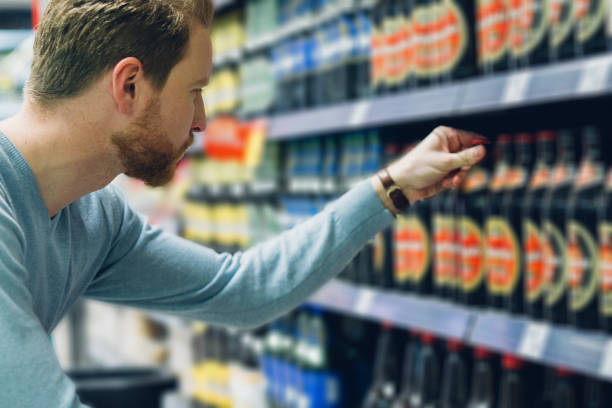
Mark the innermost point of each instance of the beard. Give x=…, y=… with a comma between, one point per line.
x=145, y=150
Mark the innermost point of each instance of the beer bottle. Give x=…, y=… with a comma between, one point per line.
x=379, y=49
x=497, y=187
x=492, y=26
x=528, y=32
x=411, y=354
x=457, y=49
x=562, y=33
x=581, y=244
x=453, y=260
x=456, y=372
x=597, y=394
x=426, y=393
x=590, y=26
x=512, y=390
x=554, y=229
x=472, y=206
x=510, y=230
x=423, y=22
x=484, y=379
x=385, y=386
x=532, y=224
x=604, y=226
x=442, y=241
x=567, y=390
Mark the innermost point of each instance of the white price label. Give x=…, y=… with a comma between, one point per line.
x=594, y=75
x=364, y=301
x=534, y=340
x=359, y=113
x=516, y=87
x=606, y=363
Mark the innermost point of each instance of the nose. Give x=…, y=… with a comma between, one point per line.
x=199, y=116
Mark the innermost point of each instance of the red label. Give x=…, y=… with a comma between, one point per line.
x=502, y=257
x=605, y=268
x=534, y=266
x=472, y=255
x=493, y=28
x=411, y=249
x=444, y=241
x=540, y=177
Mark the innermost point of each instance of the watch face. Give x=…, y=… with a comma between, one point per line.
x=399, y=199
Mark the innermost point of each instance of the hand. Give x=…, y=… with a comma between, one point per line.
x=438, y=162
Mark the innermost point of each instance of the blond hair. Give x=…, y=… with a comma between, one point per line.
x=79, y=40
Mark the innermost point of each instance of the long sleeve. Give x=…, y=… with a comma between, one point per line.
x=151, y=269
x=30, y=375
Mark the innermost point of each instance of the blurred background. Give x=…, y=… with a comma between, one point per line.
x=496, y=294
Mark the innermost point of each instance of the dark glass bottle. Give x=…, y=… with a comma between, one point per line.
x=590, y=26
x=472, y=207
x=581, y=245
x=504, y=153
x=492, y=35
x=457, y=49
x=426, y=393
x=532, y=224
x=562, y=20
x=554, y=229
x=512, y=390
x=529, y=30
x=409, y=372
x=455, y=376
x=604, y=226
x=484, y=380
x=567, y=390
x=385, y=386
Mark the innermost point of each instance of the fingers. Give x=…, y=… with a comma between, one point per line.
x=457, y=139
x=467, y=157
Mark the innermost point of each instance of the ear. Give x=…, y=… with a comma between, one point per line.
x=128, y=82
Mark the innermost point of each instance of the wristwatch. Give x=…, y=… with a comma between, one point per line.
x=393, y=191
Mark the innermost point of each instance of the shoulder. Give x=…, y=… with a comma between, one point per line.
x=12, y=237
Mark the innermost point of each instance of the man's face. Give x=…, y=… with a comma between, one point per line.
x=157, y=139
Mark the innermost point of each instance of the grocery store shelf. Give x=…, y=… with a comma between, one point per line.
x=582, y=351
x=221, y=4
x=567, y=81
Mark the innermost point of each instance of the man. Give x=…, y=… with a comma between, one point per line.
x=116, y=88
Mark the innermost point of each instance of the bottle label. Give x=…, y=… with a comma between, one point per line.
x=444, y=250
x=423, y=24
x=540, y=177
x=407, y=48
x=534, y=268
x=553, y=255
x=502, y=256
x=590, y=18
x=561, y=17
x=492, y=25
x=500, y=178
x=517, y=177
x=528, y=24
x=561, y=174
x=393, y=39
x=609, y=178
x=581, y=265
x=605, y=269
x=472, y=255
x=412, y=248
x=589, y=174
x=476, y=179
x=379, y=253
x=453, y=36
x=378, y=56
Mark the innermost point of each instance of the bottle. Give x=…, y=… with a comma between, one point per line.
x=528, y=32
x=453, y=283
x=455, y=376
x=581, y=245
x=484, y=380
x=512, y=391
x=562, y=32
x=361, y=63
x=385, y=385
x=510, y=231
x=554, y=229
x=393, y=25
x=442, y=243
x=408, y=46
x=492, y=26
x=379, y=49
x=472, y=206
x=604, y=227
x=532, y=224
x=597, y=394
x=426, y=391
x=411, y=354
x=423, y=23
x=590, y=26
x=567, y=390
x=457, y=50
x=497, y=187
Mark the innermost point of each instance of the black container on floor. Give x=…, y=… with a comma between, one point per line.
x=122, y=387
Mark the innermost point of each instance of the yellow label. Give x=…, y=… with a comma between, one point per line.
x=503, y=256
x=534, y=270
x=472, y=255
x=581, y=264
x=554, y=271
x=605, y=268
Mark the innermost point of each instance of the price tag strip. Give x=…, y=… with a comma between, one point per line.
x=605, y=369
x=516, y=87
x=594, y=75
x=364, y=301
x=534, y=341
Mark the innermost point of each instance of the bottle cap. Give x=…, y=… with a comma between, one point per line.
x=454, y=345
x=386, y=326
x=482, y=353
x=563, y=372
x=428, y=338
x=504, y=138
x=524, y=137
x=546, y=135
x=512, y=363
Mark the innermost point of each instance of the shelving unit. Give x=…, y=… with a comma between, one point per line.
x=582, y=351
x=575, y=80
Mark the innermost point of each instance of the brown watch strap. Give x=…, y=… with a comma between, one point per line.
x=393, y=191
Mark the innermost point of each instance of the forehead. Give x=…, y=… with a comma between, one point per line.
x=197, y=62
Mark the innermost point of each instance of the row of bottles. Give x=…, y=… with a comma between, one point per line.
x=417, y=370
x=528, y=232
x=374, y=47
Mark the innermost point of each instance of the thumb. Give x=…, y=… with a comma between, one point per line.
x=468, y=157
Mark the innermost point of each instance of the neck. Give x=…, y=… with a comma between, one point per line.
x=69, y=153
